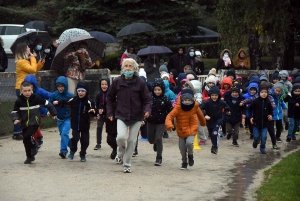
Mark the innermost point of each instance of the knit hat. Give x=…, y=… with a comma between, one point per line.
x=214, y=90
x=279, y=85
x=231, y=72
x=295, y=73
x=211, y=78
x=275, y=75
x=80, y=87
x=165, y=75
x=163, y=67
x=297, y=80
x=212, y=71
x=198, y=53
x=187, y=94
x=236, y=87
x=263, y=78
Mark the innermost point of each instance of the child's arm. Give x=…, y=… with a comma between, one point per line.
x=15, y=114
x=273, y=104
x=247, y=101
x=168, y=105
x=201, y=117
x=168, y=122
x=48, y=105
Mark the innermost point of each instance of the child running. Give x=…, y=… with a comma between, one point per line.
x=26, y=110
x=186, y=125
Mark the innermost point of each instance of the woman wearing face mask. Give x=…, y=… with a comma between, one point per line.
x=151, y=66
x=36, y=48
x=129, y=100
x=225, y=61
x=191, y=54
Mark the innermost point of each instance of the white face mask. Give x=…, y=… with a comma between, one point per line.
x=226, y=55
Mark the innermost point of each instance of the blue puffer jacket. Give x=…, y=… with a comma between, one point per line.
x=248, y=95
x=38, y=91
x=62, y=112
x=170, y=94
x=280, y=104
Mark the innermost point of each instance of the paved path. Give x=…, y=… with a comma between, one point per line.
x=53, y=178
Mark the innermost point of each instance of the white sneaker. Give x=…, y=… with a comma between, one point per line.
x=127, y=170
x=118, y=160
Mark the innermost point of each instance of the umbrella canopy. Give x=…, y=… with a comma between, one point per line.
x=154, y=50
x=135, y=28
x=103, y=37
x=74, y=32
x=29, y=37
x=38, y=25
x=95, y=49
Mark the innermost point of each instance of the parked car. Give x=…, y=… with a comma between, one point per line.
x=9, y=33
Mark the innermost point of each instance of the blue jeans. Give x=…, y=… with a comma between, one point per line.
x=260, y=133
x=17, y=127
x=64, y=129
x=294, y=124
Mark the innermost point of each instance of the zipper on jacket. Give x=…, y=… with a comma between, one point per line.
x=79, y=115
x=262, y=113
x=27, y=112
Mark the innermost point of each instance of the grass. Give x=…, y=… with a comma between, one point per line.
x=282, y=181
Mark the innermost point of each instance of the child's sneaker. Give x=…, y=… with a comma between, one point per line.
x=202, y=142
x=127, y=169
x=214, y=151
x=71, y=155
x=251, y=136
x=118, y=160
x=165, y=135
x=294, y=138
x=254, y=145
x=297, y=133
x=113, y=154
x=17, y=137
x=183, y=166
x=229, y=136
x=158, y=161
x=82, y=158
x=246, y=130
x=29, y=160
x=223, y=135
x=241, y=126
x=191, y=160
x=288, y=139
x=275, y=147
x=263, y=152
x=98, y=146
x=62, y=155
x=278, y=139
x=234, y=143
x=135, y=153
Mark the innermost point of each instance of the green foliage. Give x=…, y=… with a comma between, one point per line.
x=111, y=61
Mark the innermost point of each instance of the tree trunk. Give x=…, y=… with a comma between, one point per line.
x=277, y=57
x=289, y=52
x=254, y=51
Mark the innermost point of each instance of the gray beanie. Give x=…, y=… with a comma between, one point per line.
x=263, y=77
x=163, y=67
x=279, y=84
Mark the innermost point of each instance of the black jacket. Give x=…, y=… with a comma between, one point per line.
x=100, y=102
x=28, y=110
x=49, y=57
x=235, y=109
x=161, y=105
x=259, y=111
x=3, y=59
x=293, y=111
x=80, y=118
x=214, y=110
x=178, y=62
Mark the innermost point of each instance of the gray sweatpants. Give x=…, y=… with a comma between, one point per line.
x=233, y=129
x=155, y=133
x=126, y=140
x=186, y=145
x=201, y=133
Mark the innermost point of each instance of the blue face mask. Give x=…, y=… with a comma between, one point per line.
x=38, y=47
x=226, y=56
x=128, y=74
x=192, y=54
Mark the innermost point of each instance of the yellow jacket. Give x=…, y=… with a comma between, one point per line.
x=25, y=67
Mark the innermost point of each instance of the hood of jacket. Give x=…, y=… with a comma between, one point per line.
x=197, y=86
x=108, y=83
x=188, y=51
x=252, y=85
x=32, y=79
x=241, y=50
x=255, y=79
x=284, y=73
x=181, y=76
x=160, y=84
x=226, y=80
x=225, y=50
x=62, y=80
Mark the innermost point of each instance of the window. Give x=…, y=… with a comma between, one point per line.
x=10, y=30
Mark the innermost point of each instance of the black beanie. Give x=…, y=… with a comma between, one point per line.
x=214, y=90
x=231, y=72
x=275, y=75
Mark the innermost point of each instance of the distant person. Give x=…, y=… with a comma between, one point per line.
x=241, y=61
x=50, y=54
x=225, y=61
x=192, y=57
x=199, y=66
x=36, y=48
x=129, y=53
x=3, y=57
x=151, y=66
x=178, y=61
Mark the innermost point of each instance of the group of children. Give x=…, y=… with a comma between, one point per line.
x=217, y=105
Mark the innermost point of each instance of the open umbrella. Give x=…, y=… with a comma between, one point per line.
x=29, y=37
x=38, y=25
x=103, y=37
x=154, y=50
x=74, y=32
x=95, y=49
x=135, y=28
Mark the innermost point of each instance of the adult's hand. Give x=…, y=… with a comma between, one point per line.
x=146, y=115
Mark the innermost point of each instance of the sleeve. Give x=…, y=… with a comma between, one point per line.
x=111, y=99
x=170, y=64
x=15, y=114
x=202, y=107
x=247, y=63
x=146, y=97
x=31, y=67
x=44, y=94
x=201, y=117
x=270, y=110
x=248, y=100
x=272, y=101
x=168, y=122
x=48, y=105
x=148, y=68
x=169, y=106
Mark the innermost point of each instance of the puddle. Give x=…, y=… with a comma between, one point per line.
x=244, y=172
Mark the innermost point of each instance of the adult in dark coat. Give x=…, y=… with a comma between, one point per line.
x=178, y=61
x=3, y=57
x=191, y=54
x=50, y=53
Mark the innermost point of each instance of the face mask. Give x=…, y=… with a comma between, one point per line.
x=192, y=54
x=226, y=55
x=128, y=73
x=38, y=47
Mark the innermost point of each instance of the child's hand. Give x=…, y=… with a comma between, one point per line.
x=111, y=118
x=207, y=117
x=270, y=117
x=55, y=102
x=146, y=115
x=16, y=122
x=251, y=121
x=241, y=104
x=91, y=110
x=243, y=116
x=143, y=123
x=100, y=111
x=228, y=113
x=54, y=117
x=222, y=98
x=48, y=114
x=297, y=105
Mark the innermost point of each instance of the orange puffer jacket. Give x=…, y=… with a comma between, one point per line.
x=186, y=121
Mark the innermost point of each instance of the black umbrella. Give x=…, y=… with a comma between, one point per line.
x=135, y=28
x=103, y=37
x=38, y=25
x=29, y=37
x=95, y=49
x=154, y=50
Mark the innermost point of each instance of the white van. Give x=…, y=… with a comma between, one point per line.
x=9, y=33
